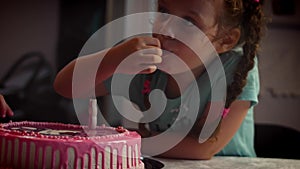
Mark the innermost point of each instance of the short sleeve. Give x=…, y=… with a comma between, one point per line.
x=251, y=90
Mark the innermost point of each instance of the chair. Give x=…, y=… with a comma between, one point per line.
x=27, y=88
x=274, y=141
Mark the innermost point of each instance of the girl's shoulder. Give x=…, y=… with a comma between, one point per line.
x=231, y=57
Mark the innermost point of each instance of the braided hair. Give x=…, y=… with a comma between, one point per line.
x=249, y=17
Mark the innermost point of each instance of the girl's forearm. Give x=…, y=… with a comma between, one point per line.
x=81, y=76
x=190, y=148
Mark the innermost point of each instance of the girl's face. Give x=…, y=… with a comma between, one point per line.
x=200, y=13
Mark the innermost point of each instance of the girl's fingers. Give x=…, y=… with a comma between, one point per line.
x=152, y=50
x=150, y=41
x=9, y=112
x=4, y=108
x=147, y=69
x=141, y=55
x=150, y=59
x=150, y=55
x=2, y=114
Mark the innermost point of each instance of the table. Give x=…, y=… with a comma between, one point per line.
x=231, y=163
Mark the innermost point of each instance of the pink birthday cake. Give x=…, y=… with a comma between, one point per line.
x=56, y=145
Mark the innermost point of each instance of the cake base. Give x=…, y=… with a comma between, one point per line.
x=56, y=145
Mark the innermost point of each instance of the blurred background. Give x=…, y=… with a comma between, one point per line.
x=38, y=38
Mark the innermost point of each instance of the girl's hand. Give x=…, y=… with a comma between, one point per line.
x=4, y=108
x=137, y=55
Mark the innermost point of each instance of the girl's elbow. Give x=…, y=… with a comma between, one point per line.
x=203, y=156
x=205, y=152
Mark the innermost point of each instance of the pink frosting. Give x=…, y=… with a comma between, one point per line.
x=115, y=138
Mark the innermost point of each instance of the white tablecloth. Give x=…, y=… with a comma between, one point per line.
x=231, y=163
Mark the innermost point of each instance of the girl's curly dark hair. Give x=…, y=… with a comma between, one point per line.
x=249, y=17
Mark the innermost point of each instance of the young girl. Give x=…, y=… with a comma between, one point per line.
x=234, y=28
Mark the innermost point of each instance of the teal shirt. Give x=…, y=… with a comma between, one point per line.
x=242, y=142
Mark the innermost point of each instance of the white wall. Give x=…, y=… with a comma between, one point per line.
x=279, y=65
x=27, y=26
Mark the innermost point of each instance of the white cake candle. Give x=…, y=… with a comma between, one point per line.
x=93, y=114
